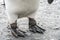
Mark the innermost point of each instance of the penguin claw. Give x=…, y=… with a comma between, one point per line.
x=40, y=29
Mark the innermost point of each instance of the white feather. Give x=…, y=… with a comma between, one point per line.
x=15, y=8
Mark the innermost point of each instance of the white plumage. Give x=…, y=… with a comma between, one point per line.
x=15, y=8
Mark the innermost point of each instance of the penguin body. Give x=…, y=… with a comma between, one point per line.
x=20, y=8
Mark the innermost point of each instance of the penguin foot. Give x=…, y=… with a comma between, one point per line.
x=16, y=33
x=36, y=29
x=33, y=27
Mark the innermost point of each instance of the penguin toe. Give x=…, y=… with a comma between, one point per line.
x=17, y=33
x=40, y=29
x=50, y=1
x=33, y=29
x=14, y=34
x=40, y=32
x=36, y=29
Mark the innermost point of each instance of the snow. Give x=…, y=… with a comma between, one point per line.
x=48, y=17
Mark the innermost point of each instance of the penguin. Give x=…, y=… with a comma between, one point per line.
x=33, y=27
x=20, y=8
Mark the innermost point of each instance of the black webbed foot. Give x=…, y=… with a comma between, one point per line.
x=17, y=33
x=35, y=28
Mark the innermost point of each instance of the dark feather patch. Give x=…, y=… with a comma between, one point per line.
x=50, y=1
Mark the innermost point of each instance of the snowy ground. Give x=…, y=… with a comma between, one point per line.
x=48, y=17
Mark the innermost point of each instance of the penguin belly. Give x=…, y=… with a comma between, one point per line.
x=22, y=7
